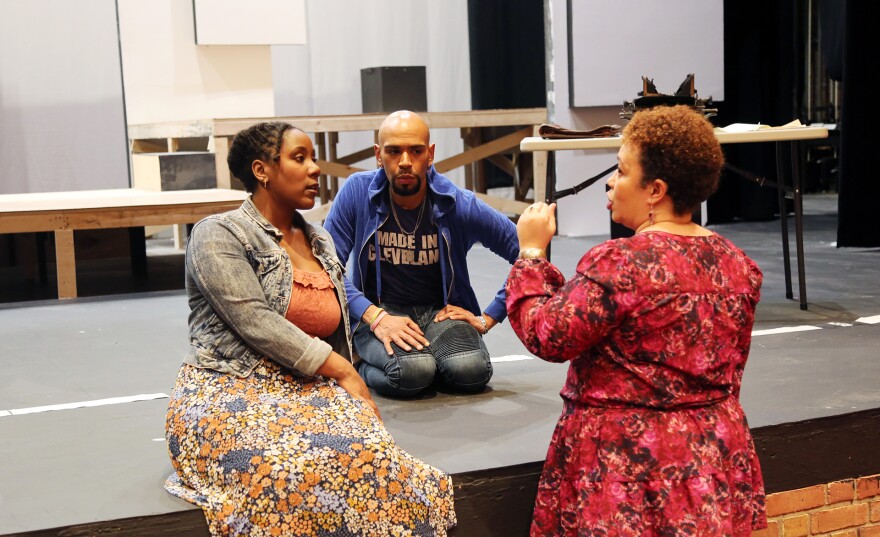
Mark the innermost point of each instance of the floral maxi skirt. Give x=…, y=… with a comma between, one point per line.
x=278, y=454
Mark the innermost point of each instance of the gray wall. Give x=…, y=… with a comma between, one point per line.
x=345, y=36
x=62, y=121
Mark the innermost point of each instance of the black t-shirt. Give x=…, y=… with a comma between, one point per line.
x=410, y=262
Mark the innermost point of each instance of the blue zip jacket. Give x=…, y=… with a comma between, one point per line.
x=462, y=219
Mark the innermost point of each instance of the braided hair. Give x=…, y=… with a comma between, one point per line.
x=257, y=142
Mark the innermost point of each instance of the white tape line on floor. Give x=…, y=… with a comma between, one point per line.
x=510, y=358
x=784, y=330
x=83, y=404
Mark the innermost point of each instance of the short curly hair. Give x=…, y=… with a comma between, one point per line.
x=677, y=144
x=258, y=142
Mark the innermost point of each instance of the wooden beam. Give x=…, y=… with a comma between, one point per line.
x=318, y=214
x=483, y=151
x=65, y=262
x=503, y=163
x=504, y=205
x=539, y=171
x=149, y=146
x=367, y=122
x=31, y=222
x=323, y=191
x=332, y=142
x=221, y=152
x=357, y=156
x=337, y=170
x=145, y=216
x=172, y=129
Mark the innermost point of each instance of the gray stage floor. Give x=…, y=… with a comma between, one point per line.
x=87, y=464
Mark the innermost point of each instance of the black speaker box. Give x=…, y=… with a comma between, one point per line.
x=387, y=89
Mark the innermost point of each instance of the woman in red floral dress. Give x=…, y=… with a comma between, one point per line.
x=652, y=440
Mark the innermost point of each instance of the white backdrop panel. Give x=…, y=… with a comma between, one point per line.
x=255, y=22
x=345, y=36
x=616, y=42
x=62, y=122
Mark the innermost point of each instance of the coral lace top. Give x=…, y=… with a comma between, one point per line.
x=313, y=307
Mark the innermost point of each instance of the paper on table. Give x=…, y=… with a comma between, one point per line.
x=749, y=127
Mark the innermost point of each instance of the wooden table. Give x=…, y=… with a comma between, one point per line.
x=219, y=132
x=789, y=136
x=65, y=212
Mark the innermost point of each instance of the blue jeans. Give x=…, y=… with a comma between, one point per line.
x=457, y=356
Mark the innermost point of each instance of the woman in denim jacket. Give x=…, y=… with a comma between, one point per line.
x=270, y=428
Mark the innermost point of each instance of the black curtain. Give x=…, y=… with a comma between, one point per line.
x=859, y=191
x=831, y=25
x=507, y=62
x=507, y=54
x=763, y=74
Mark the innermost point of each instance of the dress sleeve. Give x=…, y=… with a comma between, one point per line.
x=558, y=320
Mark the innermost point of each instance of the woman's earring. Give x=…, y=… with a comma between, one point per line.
x=265, y=183
x=651, y=214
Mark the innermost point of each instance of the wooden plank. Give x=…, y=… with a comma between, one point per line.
x=171, y=129
x=112, y=217
x=65, y=260
x=179, y=231
x=323, y=191
x=357, y=156
x=313, y=124
x=365, y=122
x=145, y=216
x=467, y=141
x=146, y=172
x=332, y=142
x=504, y=205
x=221, y=152
x=21, y=213
x=495, y=146
x=486, y=118
x=534, y=143
x=148, y=146
x=30, y=222
x=539, y=171
x=115, y=197
x=318, y=214
x=337, y=170
x=503, y=163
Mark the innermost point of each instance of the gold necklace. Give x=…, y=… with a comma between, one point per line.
x=418, y=221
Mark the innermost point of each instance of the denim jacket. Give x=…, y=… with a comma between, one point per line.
x=238, y=281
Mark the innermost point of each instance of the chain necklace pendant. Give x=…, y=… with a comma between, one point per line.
x=396, y=219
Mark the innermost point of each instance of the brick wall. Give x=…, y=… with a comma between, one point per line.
x=848, y=508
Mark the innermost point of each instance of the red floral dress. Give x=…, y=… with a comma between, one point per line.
x=652, y=440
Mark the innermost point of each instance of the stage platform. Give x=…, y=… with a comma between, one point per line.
x=96, y=469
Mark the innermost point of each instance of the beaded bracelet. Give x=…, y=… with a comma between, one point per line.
x=379, y=318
